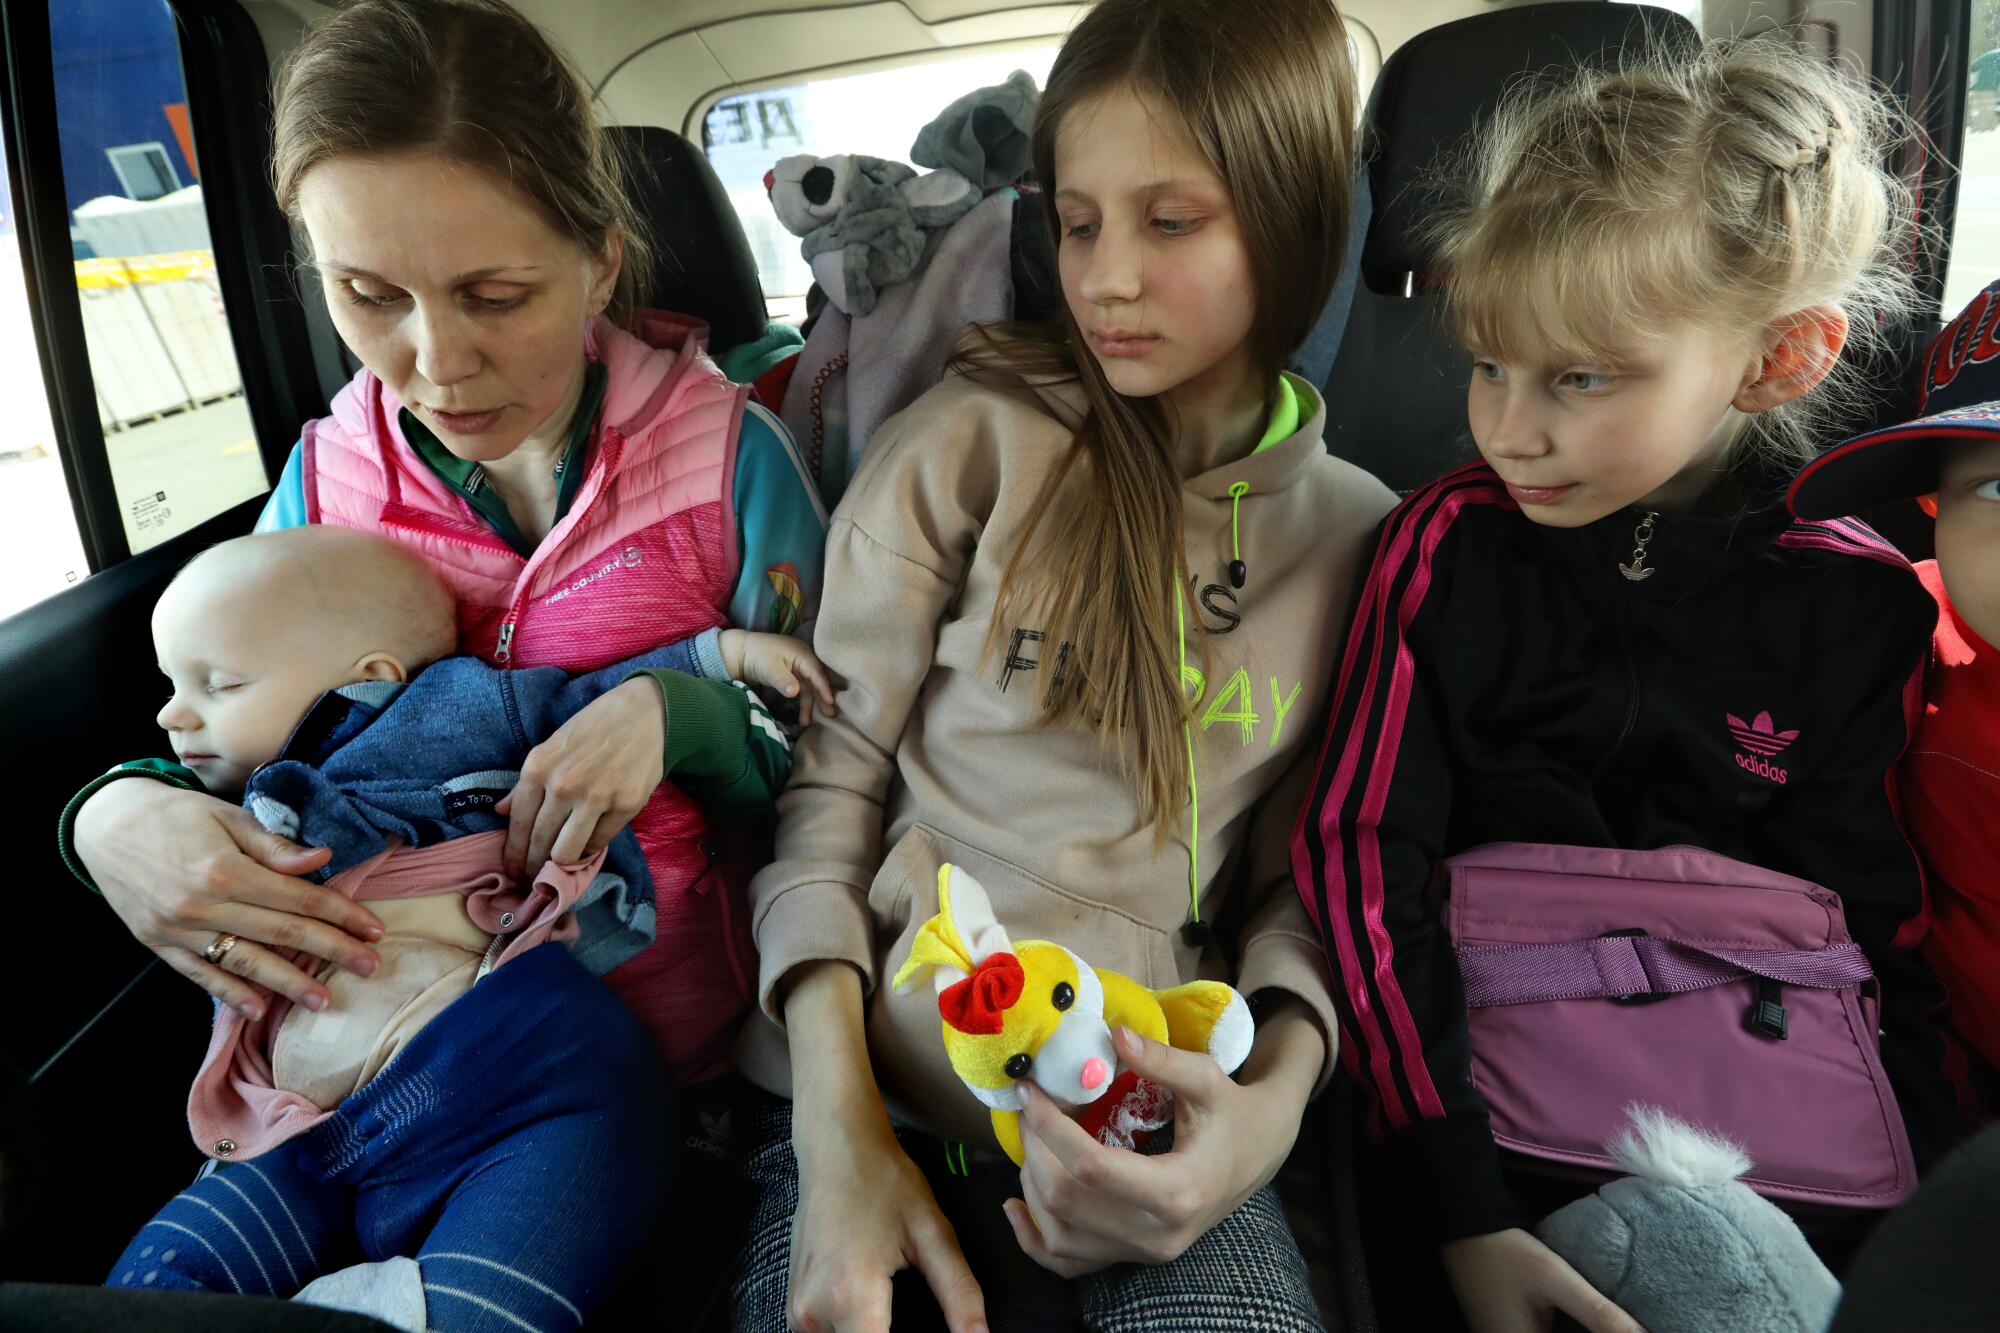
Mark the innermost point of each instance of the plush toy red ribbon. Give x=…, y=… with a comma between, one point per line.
x=979, y=1003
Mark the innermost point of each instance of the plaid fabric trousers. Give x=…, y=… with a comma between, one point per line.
x=1244, y=1276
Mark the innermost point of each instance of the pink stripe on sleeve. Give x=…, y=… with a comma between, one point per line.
x=1376, y=799
x=1373, y=611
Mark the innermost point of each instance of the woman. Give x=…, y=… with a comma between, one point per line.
x=586, y=492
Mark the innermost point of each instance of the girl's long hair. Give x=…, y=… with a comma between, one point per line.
x=1265, y=90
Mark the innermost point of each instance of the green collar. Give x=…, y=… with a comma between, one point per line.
x=1284, y=415
x=468, y=479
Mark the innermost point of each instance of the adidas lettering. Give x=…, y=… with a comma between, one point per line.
x=1763, y=768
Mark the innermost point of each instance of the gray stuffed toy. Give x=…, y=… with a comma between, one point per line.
x=863, y=219
x=1683, y=1246
x=984, y=135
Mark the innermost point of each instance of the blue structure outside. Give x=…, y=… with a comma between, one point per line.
x=117, y=67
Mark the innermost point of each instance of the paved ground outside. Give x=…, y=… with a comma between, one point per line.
x=170, y=474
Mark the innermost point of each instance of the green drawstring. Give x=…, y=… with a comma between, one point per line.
x=1195, y=933
x=1238, y=571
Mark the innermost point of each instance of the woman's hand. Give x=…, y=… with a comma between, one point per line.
x=1509, y=1282
x=181, y=868
x=1086, y=1206
x=865, y=1210
x=782, y=663
x=581, y=786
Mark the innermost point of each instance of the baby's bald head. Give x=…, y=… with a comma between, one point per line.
x=328, y=589
x=253, y=630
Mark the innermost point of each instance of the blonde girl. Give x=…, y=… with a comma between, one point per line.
x=1609, y=633
x=1019, y=573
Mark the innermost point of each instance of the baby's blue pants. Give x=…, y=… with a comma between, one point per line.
x=518, y=1148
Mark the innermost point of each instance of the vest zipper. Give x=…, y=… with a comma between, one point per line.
x=503, y=650
x=1642, y=536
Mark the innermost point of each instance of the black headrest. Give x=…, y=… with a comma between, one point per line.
x=1442, y=83
x=702, y=263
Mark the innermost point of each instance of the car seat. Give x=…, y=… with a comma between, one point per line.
x=703, y=265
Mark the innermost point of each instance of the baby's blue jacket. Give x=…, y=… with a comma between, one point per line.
x=426, y=761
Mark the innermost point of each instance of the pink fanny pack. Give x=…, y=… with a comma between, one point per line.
x=1730, y=996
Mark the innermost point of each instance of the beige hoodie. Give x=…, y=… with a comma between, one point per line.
x=936, y=755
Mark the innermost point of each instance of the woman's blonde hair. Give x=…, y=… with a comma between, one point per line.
x=1265, y=90
x=1723, y=185
x=473, y=81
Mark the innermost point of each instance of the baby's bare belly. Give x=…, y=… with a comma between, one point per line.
x=430, y=954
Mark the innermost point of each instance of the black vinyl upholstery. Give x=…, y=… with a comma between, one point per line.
x=101, y=1140
x=702, y=262
x=1396, y=394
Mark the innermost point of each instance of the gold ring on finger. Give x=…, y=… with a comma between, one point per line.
x=219, y=950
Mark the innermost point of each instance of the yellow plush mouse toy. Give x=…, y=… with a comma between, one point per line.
x=1035, y=1011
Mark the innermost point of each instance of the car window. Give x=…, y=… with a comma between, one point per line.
x=169, y=395
x=1975, y=234
x=877, y=114
x=41, y=551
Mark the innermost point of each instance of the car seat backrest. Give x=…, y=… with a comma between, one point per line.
x=1396, y=393
x=702, y=261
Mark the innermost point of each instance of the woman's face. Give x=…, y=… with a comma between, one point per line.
x=455, y=291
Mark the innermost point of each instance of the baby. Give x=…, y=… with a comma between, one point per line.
x=312, y=676
x=1951, y=773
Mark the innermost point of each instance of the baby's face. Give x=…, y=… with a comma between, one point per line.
x=1968, y=534
x=243, y=676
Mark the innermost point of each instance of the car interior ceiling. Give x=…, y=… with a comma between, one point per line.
x=77, y=677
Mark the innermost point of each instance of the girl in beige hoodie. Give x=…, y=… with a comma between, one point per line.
x=1082, y=597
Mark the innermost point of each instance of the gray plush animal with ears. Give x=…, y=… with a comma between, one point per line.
x=863, y=219
x=1683, y=1246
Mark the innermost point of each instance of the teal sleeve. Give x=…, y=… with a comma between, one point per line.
x=780, y=530
x=722, y=743
x=746, y=363
x=287, y=506
x=161, y=770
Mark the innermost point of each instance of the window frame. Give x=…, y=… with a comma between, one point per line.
x=1917, y=53
x=227, y=77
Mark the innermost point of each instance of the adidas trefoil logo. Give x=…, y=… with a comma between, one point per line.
x=1764, y=743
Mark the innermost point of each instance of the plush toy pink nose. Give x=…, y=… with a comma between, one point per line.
x=1095, y=1071
x=770, y=179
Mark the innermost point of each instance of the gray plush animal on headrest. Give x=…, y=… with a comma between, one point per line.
x=1683, y=1246
x=863, y=219
x=985, y=135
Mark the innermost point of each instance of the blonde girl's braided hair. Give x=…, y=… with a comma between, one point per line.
x=1721, y=186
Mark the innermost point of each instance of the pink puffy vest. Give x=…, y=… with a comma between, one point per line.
x=646, y=555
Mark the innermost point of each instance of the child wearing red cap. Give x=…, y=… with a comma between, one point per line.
x=1951, y=774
